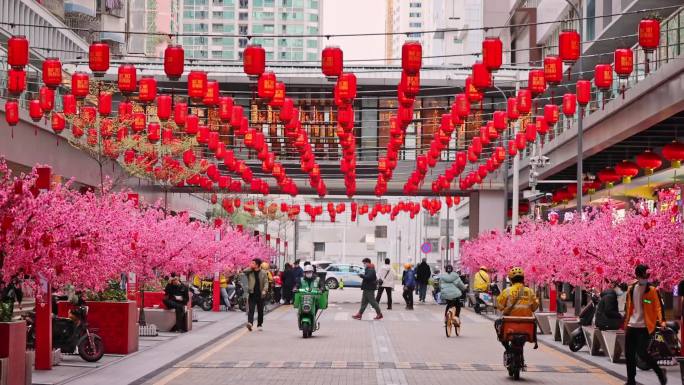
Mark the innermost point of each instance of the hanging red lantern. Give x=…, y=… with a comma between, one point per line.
x=164, y=107
x=346, y=87
x=462, y=105
x=106, y=127
x=98, y=58
x=410, y=84
x=474, y=95
x=180, y=114
x=52, y=72
x=551, y=114
x=266, y=85
x=553, y=69
x=127, y=79
x=225, y=108
x=492, y=53
x=174, y=61
x=512, y=148
x=47, y=99
x=624, y=62
x=524, y=101
x=58, y=122
x=191, y=124
x=286, y=111
x=569, y=45
x=153, y=132
x=649, y=34
x=12, y=112
x=167, y=136
x=104, y=103
x=211, y=96
x=17, y=52
x=80, y=84
x=213, y=142
x=674, y=152
x=138, y=124
x=125, y=111
x=35, y=112
x=542, y=125
x=411, y=57
x=147, y=90
x=569, y=104
x=69, y=104
x=531, y=132
x=603, y=77
x=608, y=176
x=278, y=96
x=16, y=81
x=499, y=120
x=648, y=161
x=482, y=78
x=332, y=61
x=512, y=109
x=583, y=92
x=197, y=85
x=536, y=82
x=254, y=60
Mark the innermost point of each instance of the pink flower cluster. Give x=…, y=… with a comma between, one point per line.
x=594, y=251
x=68, y=237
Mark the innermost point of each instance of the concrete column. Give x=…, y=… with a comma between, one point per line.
x=485, y=211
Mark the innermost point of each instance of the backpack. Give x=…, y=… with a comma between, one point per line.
x=410, y=279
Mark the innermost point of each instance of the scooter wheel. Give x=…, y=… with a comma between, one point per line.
x=207, y=304
x=306, y=330
x=91, y=352
x=576, y=343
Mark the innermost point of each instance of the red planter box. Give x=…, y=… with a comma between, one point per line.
x=152, y=298
x=13, y=347
x=117, y=324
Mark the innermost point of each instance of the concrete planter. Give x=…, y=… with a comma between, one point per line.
x=13, y=349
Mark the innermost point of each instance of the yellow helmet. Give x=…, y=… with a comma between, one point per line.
x=516, y=272
x=265, y=266
x=407, y=266
x=483, y=268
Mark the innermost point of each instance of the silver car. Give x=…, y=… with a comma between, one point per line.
x=342, y=272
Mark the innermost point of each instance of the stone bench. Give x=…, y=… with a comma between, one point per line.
x=593, y=336
x=564, y=327
x=165, y=319
x=544, y=322
x=613, y=344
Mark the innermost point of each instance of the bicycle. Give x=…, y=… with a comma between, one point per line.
x=452, y=322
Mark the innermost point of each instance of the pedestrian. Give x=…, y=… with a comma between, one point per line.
x=386, y=283
x=257, y=288
x=277, y=286
x=288, y=283
x=408, y=281
x=227, y=290
x=423, y=274
x=608, y=315
x=481, y=285
x=643, y=315
x=298, y=271
x=176, y=297
x=368, y=285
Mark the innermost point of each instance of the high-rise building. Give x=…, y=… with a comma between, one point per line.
x=247, y=18
x=448, y=45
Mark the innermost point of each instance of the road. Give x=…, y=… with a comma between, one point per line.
x=407, y=347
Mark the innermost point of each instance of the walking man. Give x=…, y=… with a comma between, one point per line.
x=386, y=283
x=423, y=273
x=368, y=284
x=644, y=314
x=257, y=288
x=408, y=280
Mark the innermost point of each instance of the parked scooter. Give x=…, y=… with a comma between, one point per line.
x=586, y=318
x=663, y=345
x=69, y=334
x=203, y=297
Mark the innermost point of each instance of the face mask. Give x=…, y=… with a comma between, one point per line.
x=619, y=292
x=308, y=275
x=643, y=281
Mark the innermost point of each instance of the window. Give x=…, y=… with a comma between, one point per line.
x=332, y=268
x=415, y=25
x=242, y=30
x=217, y=27
x=242, y=43
x=381, y=257
x=259, y=15
x=414, y=35
x=443, y=227
x=434, y=244
x=414, y=14
x=262, y=29
x=355, y=269
x=380, y=231
x=313, y=17
x=311, y=43
x=319, y=246
x=431, y=220
x=244, y=4
x=263, y=3
x=311, y=56
x=313, y=3
x=414, y=5
x=312, y=30
x=243, y=16
x=216, y=54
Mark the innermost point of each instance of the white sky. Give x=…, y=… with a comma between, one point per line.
x=356, y=16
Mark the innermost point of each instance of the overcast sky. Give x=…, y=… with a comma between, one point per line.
x=356, y=16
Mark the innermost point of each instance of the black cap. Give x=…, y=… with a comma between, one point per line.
x=641, y=271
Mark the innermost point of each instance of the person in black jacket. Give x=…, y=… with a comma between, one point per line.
x=423, y=274
x=288, y=283
x=368, y=286
x=176, y=297
x=608, y=315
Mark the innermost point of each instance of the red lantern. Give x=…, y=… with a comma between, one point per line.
x=254, y=60
x=674, y=152
x=16, y=81
x=410, y=84
x=474, y=95
x=148, y=89
x=569, y=105
x=499, y=120
x=492, y=49
x=542, y=125
x=225, y=108
x=47, y=99
x=191, y=124
x=279, y=95
x=69, y=104
x=482, y=78
x=164, y=107
x=52, y=72
x=211, y=96
x=583, y=92
x=553, y=69
x=536, y=82
x=531, y=132
x=524, y=101
x=266, y=85
x=138, y=124
x=236, y=119
x=649, y=34
x=512, y=109
x=125, y=111
x=603, y=76
x=551, y=114
x=80, y=85
x=608, y=176
x=462, y=105
x=512, y=149
x=17, y=52
x=346, y=87
x=12, y=112
x=180, y=114
x=411, y=57
x=35, y=111
x=286, y=111
x=332, y=61
x=58, y=122
x=648, y=161
x=127, y=78
x=104, y=103
x=197, y=85
x=153, y=132
x=98, y=58
x=174, y=60
x=569, y=45
x=624, y=62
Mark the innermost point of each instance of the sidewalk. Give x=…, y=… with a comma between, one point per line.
x=154, y=355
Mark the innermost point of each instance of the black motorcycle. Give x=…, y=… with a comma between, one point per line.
x=69, y=334
x=586, y=316
x=663, y=345
x=204, y=298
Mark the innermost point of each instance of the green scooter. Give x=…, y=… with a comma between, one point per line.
x=308, y=300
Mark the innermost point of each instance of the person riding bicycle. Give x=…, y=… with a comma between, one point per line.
x=451, y=288
x=309, y=281
x=481, y=284
x=517, y=300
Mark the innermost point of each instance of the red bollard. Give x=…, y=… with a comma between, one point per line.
x=132, y=288
x=552, y=299
x=43, y=327
x=216, y=293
